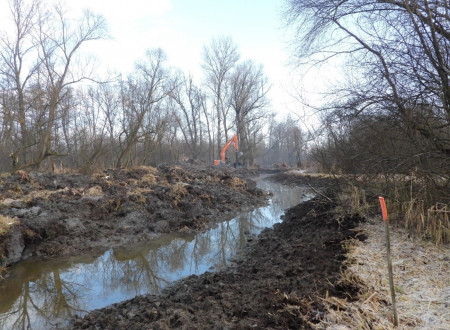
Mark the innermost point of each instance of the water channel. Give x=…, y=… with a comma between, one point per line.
x=39, y=294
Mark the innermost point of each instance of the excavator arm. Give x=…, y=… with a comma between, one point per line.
x=225, y=147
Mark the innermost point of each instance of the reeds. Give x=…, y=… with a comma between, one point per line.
x=352, y=200
x=432, y=222
x=413, y=204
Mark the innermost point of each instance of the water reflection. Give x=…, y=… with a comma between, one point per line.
x=39, y=294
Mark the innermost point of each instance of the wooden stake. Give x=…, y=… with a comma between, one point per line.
x=388, y=257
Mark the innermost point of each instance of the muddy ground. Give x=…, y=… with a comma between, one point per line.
x=47, y=215
x=277, y=282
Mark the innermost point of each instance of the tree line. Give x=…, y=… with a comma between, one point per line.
x=391, y=113
x=55, y=111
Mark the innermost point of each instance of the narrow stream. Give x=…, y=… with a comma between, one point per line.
x=39, y=294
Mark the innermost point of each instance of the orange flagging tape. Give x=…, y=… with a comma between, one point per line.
x=383, y=209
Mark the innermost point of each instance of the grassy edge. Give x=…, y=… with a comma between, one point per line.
x=421, y=277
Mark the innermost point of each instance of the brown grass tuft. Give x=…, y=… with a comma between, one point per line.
x=2, y=271
x=178, y=191
x=353, y=201
x=149, y=179
x=237, y=183
x=432, y=222
x=6, y=223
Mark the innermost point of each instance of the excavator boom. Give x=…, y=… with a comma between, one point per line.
x=225, y=147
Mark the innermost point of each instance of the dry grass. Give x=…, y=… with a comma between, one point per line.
x=4, y=175
x=420, y=207
x=237, y=183
x=410, y=203
x=314, y=174
x=177, y=192
x=94, y=191
x=421, y=278
x=145, y=170
x=138, y=194
x=353, y=201
x=432, y=222
x=149, y=179
x=179, y=189
x=6, y=224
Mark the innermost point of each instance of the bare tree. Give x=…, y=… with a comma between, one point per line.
x=189, y=100
x=249, y=88
x=91, y=141
x=107, y=98
x=219, y=59
x=285, y=142
x=141, y=98
x=208, y=118
x=18, y=68
x=60, y=42
x=51, y=106
x=398, y=53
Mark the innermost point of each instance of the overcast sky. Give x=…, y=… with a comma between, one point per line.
x=182, y=27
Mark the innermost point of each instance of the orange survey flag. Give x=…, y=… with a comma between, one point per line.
x=383, y=209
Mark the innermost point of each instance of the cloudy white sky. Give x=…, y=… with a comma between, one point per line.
x=182, y=27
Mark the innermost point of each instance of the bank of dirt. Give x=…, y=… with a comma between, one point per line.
x=47, y=215
x=420, y=271
x=277, y=282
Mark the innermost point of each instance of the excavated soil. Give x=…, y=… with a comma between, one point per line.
x=51, y=215
x=277, y=282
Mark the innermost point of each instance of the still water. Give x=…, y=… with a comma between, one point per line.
x=41, y=294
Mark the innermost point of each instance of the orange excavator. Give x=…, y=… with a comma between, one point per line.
x=222, y=159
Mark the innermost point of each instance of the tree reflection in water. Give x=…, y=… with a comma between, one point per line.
x=38, y=294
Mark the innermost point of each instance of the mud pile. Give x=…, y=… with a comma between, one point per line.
x=276, y=283
x=319, y=182
x=64, y=214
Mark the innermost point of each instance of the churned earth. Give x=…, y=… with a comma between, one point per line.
x=280, y=280
x=277, y=282
x=48, y=215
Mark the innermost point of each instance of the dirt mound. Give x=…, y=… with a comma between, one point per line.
x=68, y=214
x=274, y=284
x=296, y=178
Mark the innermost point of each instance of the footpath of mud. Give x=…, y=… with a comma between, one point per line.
x=276, y=283
x=67, y=214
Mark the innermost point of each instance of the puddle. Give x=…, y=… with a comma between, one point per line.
x=39, y=294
